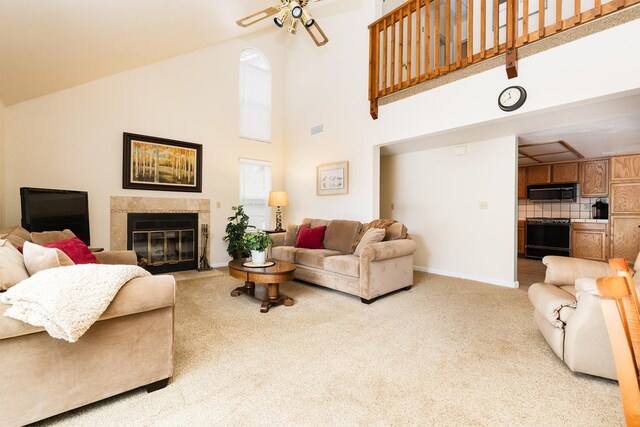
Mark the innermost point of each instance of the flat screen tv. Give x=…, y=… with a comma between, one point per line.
x=47, y=210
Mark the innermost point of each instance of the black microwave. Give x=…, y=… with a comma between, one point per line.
x=552, y=192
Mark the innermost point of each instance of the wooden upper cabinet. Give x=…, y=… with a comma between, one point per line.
x=522, y=183
x=594, y=178
x=625, y=168
x=539, y=174
x=564, y=172
x=625, y=198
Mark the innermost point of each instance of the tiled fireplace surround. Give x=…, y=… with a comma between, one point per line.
x=121, y=206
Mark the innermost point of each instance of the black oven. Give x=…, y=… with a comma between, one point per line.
x=548, y=236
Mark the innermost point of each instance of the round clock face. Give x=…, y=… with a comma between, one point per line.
x=512, y=98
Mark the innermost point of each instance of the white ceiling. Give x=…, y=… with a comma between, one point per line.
x=596, y=138
x=49, y=45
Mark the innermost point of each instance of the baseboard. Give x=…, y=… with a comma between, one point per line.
x=504, y=283
x=219, y=265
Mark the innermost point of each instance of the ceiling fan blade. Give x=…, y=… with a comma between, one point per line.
x=320, y=39
x=258, y=16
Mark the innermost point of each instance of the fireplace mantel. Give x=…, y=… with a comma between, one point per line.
x=121, y=206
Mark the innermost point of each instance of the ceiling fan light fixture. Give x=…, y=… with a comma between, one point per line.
x=307, y=19
x=292, y=26
x=296, y=9
x=281, y=18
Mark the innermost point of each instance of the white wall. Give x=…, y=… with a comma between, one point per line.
x=328, y=85
x=73, y=139
x=437, y=195
x=2, y=163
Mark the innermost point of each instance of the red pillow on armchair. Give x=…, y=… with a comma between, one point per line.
x=311, y=238
x=75, y=249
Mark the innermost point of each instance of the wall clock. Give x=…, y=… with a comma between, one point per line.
x=512, y=98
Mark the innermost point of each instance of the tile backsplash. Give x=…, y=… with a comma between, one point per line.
x=580, y=209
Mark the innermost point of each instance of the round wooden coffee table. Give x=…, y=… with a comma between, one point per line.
x=271, y=276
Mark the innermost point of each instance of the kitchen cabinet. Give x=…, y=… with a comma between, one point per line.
x=625, y=237
x=522, y=183
x=538, y=174
x=594, y=178
x=521, y=237
x=624, y=168
x=625, y=198
x=565, y=172
x=589, y=241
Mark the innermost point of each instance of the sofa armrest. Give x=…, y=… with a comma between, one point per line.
x=389, y=249
x=117, y=257
x=564, y=270
x=277, y=239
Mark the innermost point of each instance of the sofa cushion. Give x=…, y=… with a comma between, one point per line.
x=314, y=257
x=291, y=234
x=284, y=253
x=341, y=234
x=314, y=222
x=636, y=266
x=16, y=235
x=343, y=264
x=46, y=237
x=377, y=223
x=75, y=249
x=373, y=235
x=396, y=231
x=12, y=269
x=38, y=258
x=311, y=238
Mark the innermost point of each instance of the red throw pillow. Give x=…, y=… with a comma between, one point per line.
x=75, y=249
x=311, y=238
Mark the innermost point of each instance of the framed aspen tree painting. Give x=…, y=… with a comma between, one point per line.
x=151, y=163
x=332, y=178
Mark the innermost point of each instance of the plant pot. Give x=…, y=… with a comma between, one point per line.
x=258, y=257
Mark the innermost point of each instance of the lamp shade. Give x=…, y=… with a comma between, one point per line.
x=278, y=198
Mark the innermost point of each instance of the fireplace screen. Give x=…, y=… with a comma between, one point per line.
x=164, y=242
x=165, y=247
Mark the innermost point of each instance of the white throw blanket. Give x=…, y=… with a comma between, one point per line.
x=66, y=301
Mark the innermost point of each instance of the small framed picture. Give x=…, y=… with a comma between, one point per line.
x=151, y=163
x=332, y=179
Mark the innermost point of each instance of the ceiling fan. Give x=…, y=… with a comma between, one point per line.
x=289, y=13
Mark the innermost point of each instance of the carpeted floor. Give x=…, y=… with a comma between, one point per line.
x=447, y=352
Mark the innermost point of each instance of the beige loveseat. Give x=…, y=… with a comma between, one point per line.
x=568, y=313
x=381, y=268
x=129, y=347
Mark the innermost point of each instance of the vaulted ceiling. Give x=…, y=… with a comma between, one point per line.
x=49, y=45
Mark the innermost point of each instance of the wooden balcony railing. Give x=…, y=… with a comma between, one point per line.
x=423, y=39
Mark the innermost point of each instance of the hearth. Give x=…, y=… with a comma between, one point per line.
x=167, y=241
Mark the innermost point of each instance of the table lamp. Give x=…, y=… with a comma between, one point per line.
x=278, y=199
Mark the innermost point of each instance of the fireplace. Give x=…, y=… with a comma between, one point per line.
x=166, y=241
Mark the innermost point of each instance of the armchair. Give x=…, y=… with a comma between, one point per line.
x=568, y=313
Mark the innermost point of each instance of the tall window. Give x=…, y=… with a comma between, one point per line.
x=255, y=96
x=255, y=185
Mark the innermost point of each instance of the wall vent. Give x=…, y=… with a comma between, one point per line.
x=317, y=129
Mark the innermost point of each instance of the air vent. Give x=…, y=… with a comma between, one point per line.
x=317, y=129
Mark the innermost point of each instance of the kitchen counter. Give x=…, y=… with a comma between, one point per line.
x=600, y=221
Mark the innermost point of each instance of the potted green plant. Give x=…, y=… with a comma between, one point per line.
x=236, y=229
x=257, y=242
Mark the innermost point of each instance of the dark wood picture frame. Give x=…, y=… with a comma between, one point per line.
x=152, y=163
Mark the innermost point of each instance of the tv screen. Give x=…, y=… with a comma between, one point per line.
x=49, y=210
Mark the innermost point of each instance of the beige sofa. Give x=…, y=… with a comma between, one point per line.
x=130, y=346
x=381, y=268
x=567, y=311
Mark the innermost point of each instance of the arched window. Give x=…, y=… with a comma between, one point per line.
x=255, y=96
